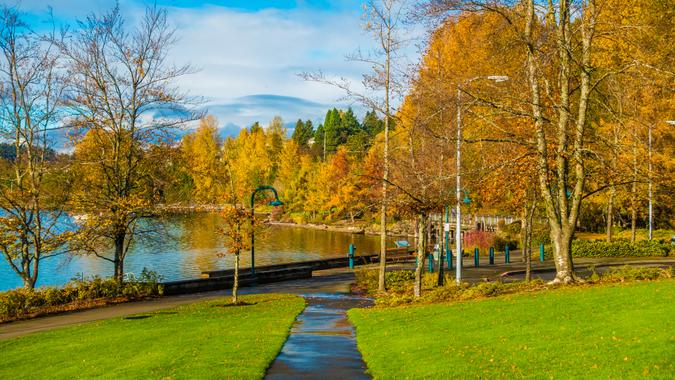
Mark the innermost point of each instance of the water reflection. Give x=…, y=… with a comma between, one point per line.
x=190, y=244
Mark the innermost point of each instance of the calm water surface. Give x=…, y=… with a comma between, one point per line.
x=191, y=243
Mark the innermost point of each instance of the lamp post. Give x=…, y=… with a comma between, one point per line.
x=458, y=228
x=649, y=177
x=275, y=202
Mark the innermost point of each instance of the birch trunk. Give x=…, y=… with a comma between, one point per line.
x=421, y=254
x=235, y=285
x=634, y=193
x=561, y=186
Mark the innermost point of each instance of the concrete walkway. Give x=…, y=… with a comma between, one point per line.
x=322, y=344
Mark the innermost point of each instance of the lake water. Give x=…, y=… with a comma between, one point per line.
x=191, y=243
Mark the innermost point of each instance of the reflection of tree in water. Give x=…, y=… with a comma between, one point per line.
x=201, y=241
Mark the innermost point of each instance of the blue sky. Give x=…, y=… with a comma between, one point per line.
x=249, y=52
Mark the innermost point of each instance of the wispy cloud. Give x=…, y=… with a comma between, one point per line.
x=249, y=53
x=244, y=110
x=243, y=54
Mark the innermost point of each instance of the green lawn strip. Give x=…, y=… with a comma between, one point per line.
x=204, y=340
x=615, y=331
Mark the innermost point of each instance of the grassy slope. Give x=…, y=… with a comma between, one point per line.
x=203, y=340
x=620, y=331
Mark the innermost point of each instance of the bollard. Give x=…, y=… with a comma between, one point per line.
x=492, y=256
x=475, y=257
x=541, y=252
x=449, y=259
x=507, y=255
x=431, y=262
x=352, y=248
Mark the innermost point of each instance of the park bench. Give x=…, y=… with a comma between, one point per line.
x=401, y=253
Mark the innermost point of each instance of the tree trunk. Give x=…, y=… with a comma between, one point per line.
x=562, y=245
x=385, y=178
x=523, y=234
x=634, y=193
x=29, y=279
x=235, y=285
x=528, y=239
x=421, y=254
x=441, y=253
x=610, y=213
x=119, y=257
x=612, y=189
x=528, y=259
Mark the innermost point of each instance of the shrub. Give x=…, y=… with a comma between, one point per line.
x=478, y=239
x=501, y=242
x=398, y=281
x=630, y=273
x=620, y=248
x=19, y=303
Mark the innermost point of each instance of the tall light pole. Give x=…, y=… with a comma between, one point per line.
x=275, y=202
x=458, y=228
x=649, y=177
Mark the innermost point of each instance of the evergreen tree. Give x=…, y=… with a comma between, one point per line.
x=256, y=127
x=372, y=124
x=302, y=133
x=349, y=125
x=331, y=127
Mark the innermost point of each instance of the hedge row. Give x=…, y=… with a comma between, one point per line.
x=21, y=303
x=620, y=248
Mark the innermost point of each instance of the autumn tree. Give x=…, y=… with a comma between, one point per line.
x=119, y=81
x=201, y=150
x=292, y=179
x=424, y=172
x=559, y=42
x=237, y=231
x=384, y=20
x=248, y=162
x=32, y=192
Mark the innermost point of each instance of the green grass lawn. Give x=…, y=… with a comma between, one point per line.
x=611, y=331
x=199, y=341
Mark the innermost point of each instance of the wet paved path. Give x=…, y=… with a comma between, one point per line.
x=322, y=344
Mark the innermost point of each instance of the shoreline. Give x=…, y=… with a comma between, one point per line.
x=355, y=229
x=351, y=229
x=323, y=227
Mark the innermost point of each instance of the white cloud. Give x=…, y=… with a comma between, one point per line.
x=252, y=53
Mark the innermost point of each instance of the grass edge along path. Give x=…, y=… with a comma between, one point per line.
x=618, y=331
x=209, y=339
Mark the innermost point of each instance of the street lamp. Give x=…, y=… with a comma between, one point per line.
x=275, y=202
x=651, y=206
x=458, y=229
x=649, y=175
